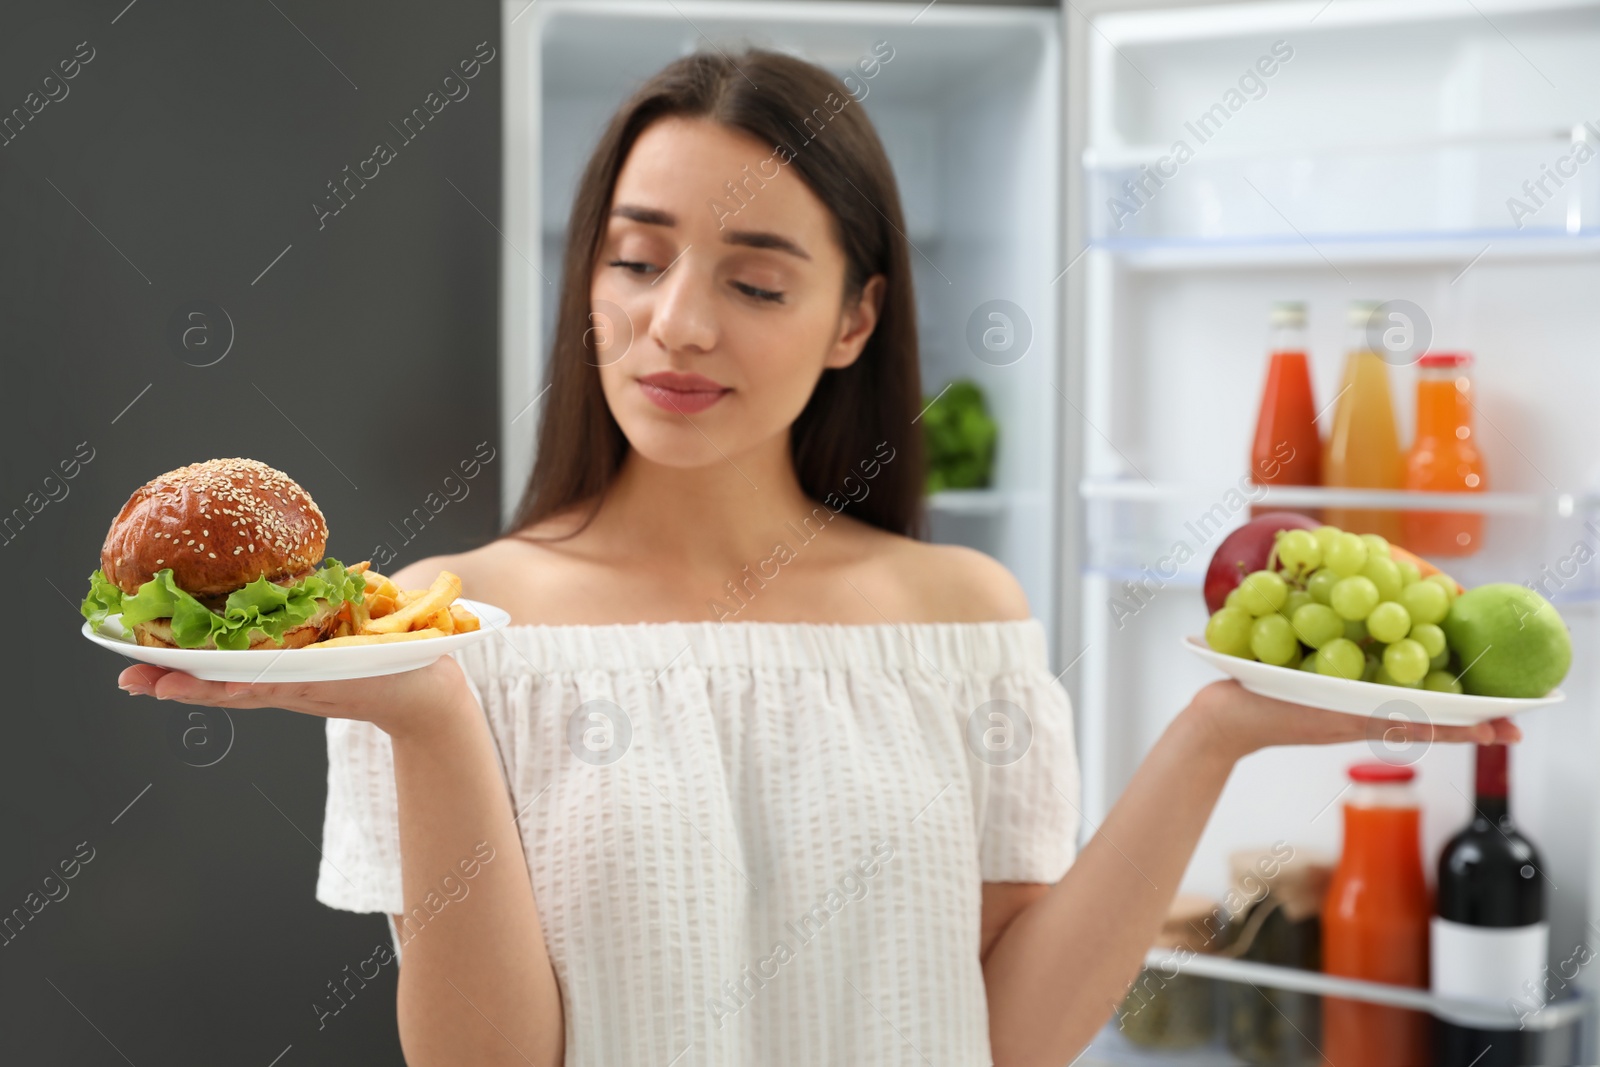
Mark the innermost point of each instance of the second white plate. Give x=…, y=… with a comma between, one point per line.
x=299, y=664
x=1364, y=698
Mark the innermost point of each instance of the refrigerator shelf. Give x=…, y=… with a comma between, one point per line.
x=970, y=501
x=1208, y=25
x=1489, y=1015
x=1562, y=505
x=1411, y=248
x=1119, y=156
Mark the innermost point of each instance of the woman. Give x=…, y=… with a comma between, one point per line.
x=754, y=776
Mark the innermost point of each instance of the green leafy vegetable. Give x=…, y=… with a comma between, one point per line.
x=961, y=439
x=262, y=606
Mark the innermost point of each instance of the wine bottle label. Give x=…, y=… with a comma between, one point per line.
x=1487, y=962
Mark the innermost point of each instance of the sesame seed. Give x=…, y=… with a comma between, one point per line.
x=287, y=521
x=213, y=555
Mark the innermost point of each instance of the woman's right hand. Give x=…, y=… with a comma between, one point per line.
x=1238, y=722
x=407, y=703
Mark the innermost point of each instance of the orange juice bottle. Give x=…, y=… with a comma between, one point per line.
x=1444, y=458
x=1363, y=449
x=1375, y=922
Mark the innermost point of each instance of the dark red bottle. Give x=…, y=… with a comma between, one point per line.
x=1489, y=938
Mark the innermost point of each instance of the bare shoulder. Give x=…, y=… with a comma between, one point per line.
x=969, y=585
x=476, y=569
x=533, y=578
x=950, y=583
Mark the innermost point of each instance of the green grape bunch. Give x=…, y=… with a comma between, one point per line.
x=1340, y=604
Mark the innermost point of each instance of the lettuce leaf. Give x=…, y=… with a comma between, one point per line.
x=262, y=606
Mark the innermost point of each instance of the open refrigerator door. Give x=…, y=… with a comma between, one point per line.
x=1432, y=158
x=1103, y=204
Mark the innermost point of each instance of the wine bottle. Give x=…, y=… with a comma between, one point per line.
x=1490, y=937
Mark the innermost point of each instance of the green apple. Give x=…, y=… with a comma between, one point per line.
x=1512, y=641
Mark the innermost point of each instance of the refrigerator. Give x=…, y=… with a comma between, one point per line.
x=1435, y=152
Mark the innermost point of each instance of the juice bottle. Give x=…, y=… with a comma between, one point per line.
x=1363, y=448
x=1444, y=458
x=1375, y=923
x=1287, y=448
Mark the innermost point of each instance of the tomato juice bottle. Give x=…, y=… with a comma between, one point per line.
x=1287, y=449
x=1375, y=922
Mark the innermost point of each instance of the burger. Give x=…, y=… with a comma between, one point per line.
x=225, y=554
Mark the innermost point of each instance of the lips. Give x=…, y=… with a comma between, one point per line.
x=685, y=393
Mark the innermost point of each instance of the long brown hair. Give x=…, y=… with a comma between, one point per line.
x=808, y=114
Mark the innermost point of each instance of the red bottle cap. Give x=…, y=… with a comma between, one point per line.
x=1377, y=771
x=1454, y=360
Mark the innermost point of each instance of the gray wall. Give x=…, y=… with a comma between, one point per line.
x=172, y=169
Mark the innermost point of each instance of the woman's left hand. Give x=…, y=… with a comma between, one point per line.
x=1240, y=722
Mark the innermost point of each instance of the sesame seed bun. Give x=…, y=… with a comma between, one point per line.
x=219, y=525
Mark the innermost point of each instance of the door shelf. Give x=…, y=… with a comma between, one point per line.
x=968, y=502
x=1325, y=250
x=983, y=502
x=1484, y=1014
x=1559, y=504
x=1118, y=156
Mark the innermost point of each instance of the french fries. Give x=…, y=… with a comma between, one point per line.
x=388, y=613
x=376, y=639
x=379, y=585
x=419, y=609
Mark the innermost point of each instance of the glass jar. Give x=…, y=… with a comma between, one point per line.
x=1275, y=917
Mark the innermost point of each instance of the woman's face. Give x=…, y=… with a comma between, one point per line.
x=729, y=311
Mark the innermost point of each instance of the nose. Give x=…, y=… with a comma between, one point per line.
x=681, y=314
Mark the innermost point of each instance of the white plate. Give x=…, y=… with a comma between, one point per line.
x=299, y=664
x=1364, y=698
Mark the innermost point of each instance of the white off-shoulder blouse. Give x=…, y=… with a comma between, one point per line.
x=753, y=843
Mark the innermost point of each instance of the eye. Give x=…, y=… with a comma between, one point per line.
x=631, y=266
x=759, y=294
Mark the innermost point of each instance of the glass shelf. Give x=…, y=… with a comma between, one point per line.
x=1421, y=247
x=1484, y=1014
x=1558, y=504
x=1118, y=156
x=969, y=501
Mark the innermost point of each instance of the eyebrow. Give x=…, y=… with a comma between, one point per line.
x=749, y=238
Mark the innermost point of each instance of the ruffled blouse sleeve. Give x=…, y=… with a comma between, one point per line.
x=1022, y=741
x=360, y=869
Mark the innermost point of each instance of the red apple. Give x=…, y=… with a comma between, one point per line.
x=1245, y=550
